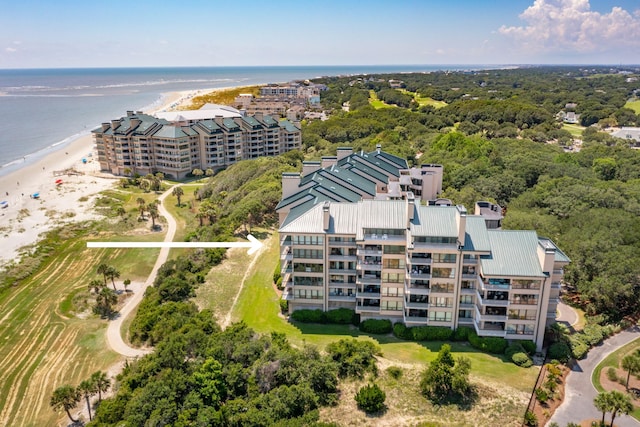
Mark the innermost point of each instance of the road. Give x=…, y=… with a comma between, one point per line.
x=114, y=335
x=579, y=390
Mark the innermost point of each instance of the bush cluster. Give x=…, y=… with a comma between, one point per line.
x=376, y=326
x=340, y=316
x=494, y=345
x=370, y=398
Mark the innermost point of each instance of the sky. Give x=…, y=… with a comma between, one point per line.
x=145, y=33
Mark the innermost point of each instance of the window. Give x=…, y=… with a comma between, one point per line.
x=307, y=281
x=520, y=329
x=466, y=299
x=307, y=294
x=391, y=305
x=442, y=287
x=308, y=240
x=307, y=253
x=465, y=314
x=522, y=314
x=394, y=249
x=525, y=284
x=435, y=239
x=393, y=277
x=392, y=292
x=307, y=268
x=445, y=258
x=441, y=302
x=447, y=273
x=439, y=316
x=393, y=263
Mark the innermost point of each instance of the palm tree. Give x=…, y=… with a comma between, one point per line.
x=141, y=206
x=201, y=216
x=631, y=364
x=621, y=403
x=113, y=274
x=124, y=182
x=95, y=285
x=178, y=192
x=153, y=213
x=87, y=389
x=105, y=301
x=602, y=402
x=101, y=382
x=120, y=211
x=104, y=270
x=65, y=397
x=126, y=283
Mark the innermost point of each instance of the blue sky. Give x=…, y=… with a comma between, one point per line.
x=73, y=33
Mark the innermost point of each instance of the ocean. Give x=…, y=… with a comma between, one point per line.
x=44, y=109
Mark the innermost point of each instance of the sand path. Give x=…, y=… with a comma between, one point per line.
x=114, y=332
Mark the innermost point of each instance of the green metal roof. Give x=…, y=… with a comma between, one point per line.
x=251, y=121
x=397, y=161
x=560, y=256
x=475, y=238
x=269, y=121
x=170, y=132
x=513, y=253
x=289, y=127
x=436, y=221
x=209, y=125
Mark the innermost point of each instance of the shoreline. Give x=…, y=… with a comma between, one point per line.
x=25, y=219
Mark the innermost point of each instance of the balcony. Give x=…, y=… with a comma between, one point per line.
x=368, y=279
x=385, y=238
x=370, y=251
x=490, y=330
x=342, y=271
x=418, y=274
x=369, y=266
x=341, y=297
x=467, y=291
x=415, y=316
x=336, y=257
x=366, y=306
x=416, y=305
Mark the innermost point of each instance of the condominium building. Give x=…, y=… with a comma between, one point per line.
x=141, y=143
x=402, y=259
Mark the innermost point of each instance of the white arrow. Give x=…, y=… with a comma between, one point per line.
x=253, y=244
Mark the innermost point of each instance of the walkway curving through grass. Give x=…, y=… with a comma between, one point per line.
x=114, y=330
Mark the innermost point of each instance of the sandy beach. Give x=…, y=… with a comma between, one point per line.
x=25, y=218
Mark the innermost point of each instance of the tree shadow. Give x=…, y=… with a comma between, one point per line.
x=463, y=403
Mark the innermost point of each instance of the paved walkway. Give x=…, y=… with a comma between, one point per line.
x=567, y=315
x=114, y=336
x=580, y=392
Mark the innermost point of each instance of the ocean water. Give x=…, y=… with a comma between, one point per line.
x=44, y=109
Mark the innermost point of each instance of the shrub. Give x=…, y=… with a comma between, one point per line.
x=462, y=333
x=513, y=349
x=592, y=335
x=528, y=346
x=493, y=345
x=530, y=419
x=371, y=398
x=542, y=395
x=284, y=306
x=579, y=349
x=376, y=326
x=341, y=316
x=276, y=273
x=279, y=283
x=309, y=316
x=560, y=351
x=401, y=331
x=394, y=372
x=611, y=374
x=431, y=333
x=522, y=359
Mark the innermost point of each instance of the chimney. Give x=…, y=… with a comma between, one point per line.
x=328, y=161
x=135, y=123
x=290, y=183
x=310, y=167
x=105, y=126
x=343, y=152
x=378, y=148
x=326, y=217
x=129, y=113
x=461, y=219
x=115, y=124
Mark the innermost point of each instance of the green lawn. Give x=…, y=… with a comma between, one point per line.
x=376, y=103
x=614, y=360
x=634, y=105
x=424, y=100
x=574, y=130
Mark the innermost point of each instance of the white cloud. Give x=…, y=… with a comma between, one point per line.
x=10, y=49
x=571, y=25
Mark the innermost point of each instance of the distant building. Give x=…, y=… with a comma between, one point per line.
x=631, y=134
x=144, y=144
x=349, y=240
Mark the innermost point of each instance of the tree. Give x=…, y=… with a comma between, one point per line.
x=65, y=397
x=120, y=211
x=105, y=301
x=178, y=192
x=445, y=378
x=153, y=213
x=95, y=285
x=126, y=283
x=631, y=364
x=602, y=402
x=113, y=274
x=370, y=398
x=101, y=382
x=209, y=172
x=141, y=206
x=620, y=403
x=87, y=388
x=197, y=173
x=104, y=270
